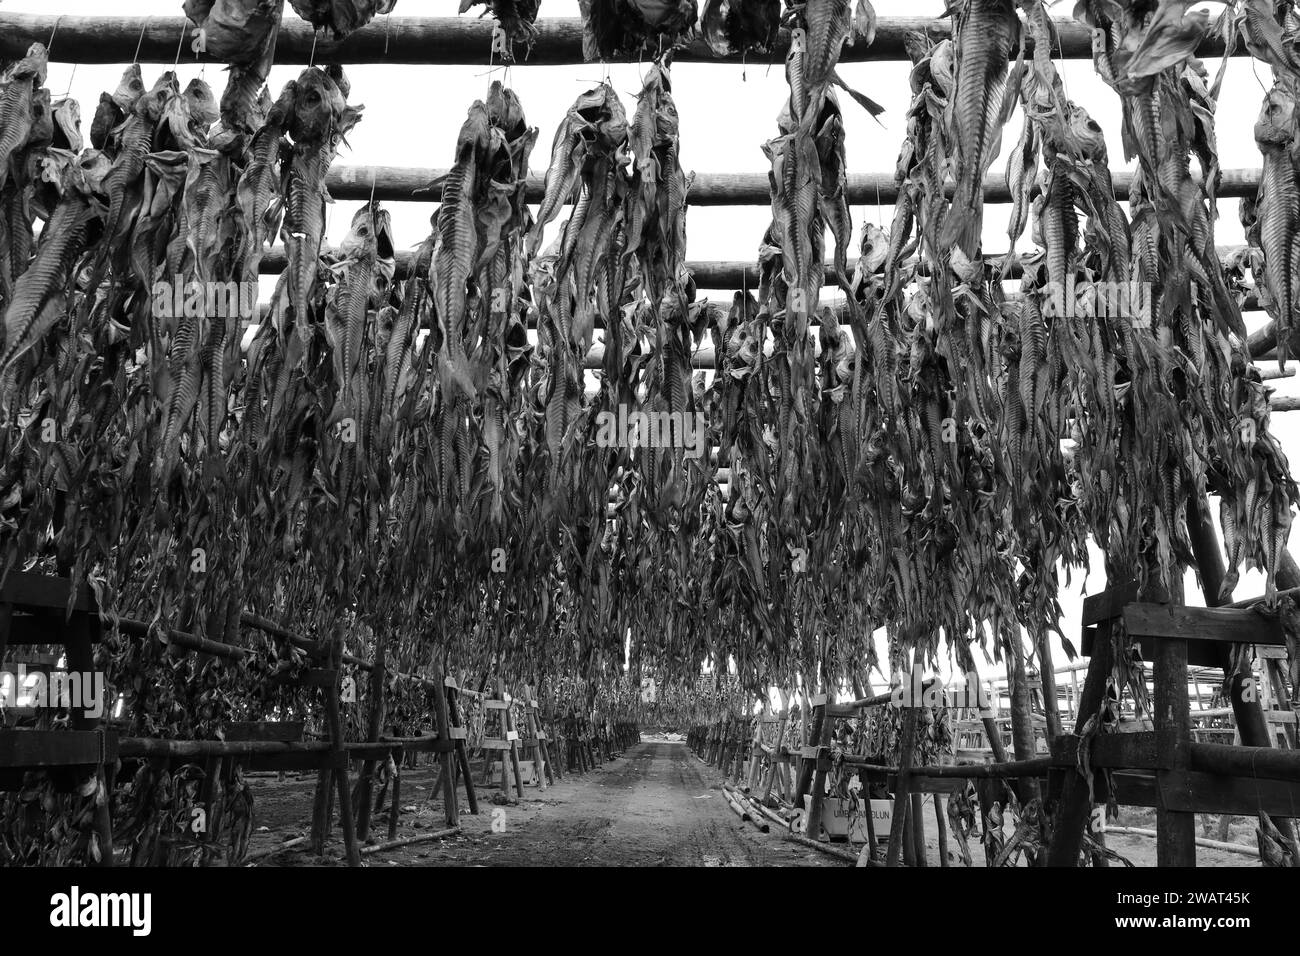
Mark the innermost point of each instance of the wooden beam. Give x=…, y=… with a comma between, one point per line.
x=411, y=184
x=1219, y=624
x=441, y=40
x=30, y=589
x=1250, y=762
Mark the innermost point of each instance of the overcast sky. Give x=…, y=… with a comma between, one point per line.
x=412, y=115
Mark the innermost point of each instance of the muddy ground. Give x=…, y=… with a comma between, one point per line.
x=656, y=805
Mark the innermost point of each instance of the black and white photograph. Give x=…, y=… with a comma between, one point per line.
x=649, y=434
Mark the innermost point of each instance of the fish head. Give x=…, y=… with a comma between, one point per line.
x=875, y=248
x=318, y=107
x=31, y=68
x=129, y=88
x=505, y=110
x=1275, y=125
x=67, y=125
x=202, y=104
x=942, y=67
x=1087, y=134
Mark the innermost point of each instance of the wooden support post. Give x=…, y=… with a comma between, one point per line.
x=374, y=725
x=541, y=759
x=820, y=760
x=777, y=753
x=1175, y=829
x=508, y=724
x=1072, y=809
x=446, y=758
x=1051, y=705
x=462, y=754
x=917, y=819
x=906, y=757
x=395, y=812
x=1022, y=726
x=340, y=771
x=803, y=783
x=941, y=827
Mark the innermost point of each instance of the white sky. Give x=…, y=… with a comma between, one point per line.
x=413, y=113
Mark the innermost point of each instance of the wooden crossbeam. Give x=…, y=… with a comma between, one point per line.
x=1219, y=624
x=447, y=41
x=411, y=184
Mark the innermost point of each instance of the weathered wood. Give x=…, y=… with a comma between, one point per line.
x=445, y=41
x=1220, y=624
x=1136, y=751
x=1247, y=761
x=442, y=715
x=906, y=758
x=1176, y=842
x=1033, y=767
x=374, y=725
x=818, y=796
x=1072, y=809
x=941, y=824
x=1184, y=794
x=1022, y=726
x=916, y=820
x=1108, y=604
x=411, y=841
x=35, y=749
x=1219, y=845
x=29, y=589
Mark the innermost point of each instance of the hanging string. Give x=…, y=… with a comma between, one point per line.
x=311, y=60
x=50, y=44
x=180, y=46
x=388, y=18
x=135, y=60
x=71, y=77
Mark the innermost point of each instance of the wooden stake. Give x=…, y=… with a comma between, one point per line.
x=374, y=725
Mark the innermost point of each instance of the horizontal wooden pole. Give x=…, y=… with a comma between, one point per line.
x=411, y=184
x=1033, y=767
x=1238, y=761
x=1200, y=841
x=411, y=841
x=448, y=41
x=143, y=747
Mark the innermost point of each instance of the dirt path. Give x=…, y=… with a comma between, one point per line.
x=657, y=805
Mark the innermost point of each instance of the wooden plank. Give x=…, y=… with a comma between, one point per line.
x=1108, y=604
x=1219, y=624
x=1191, y=792
x=27, y=589
x=33, y=749
x=35, y=629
